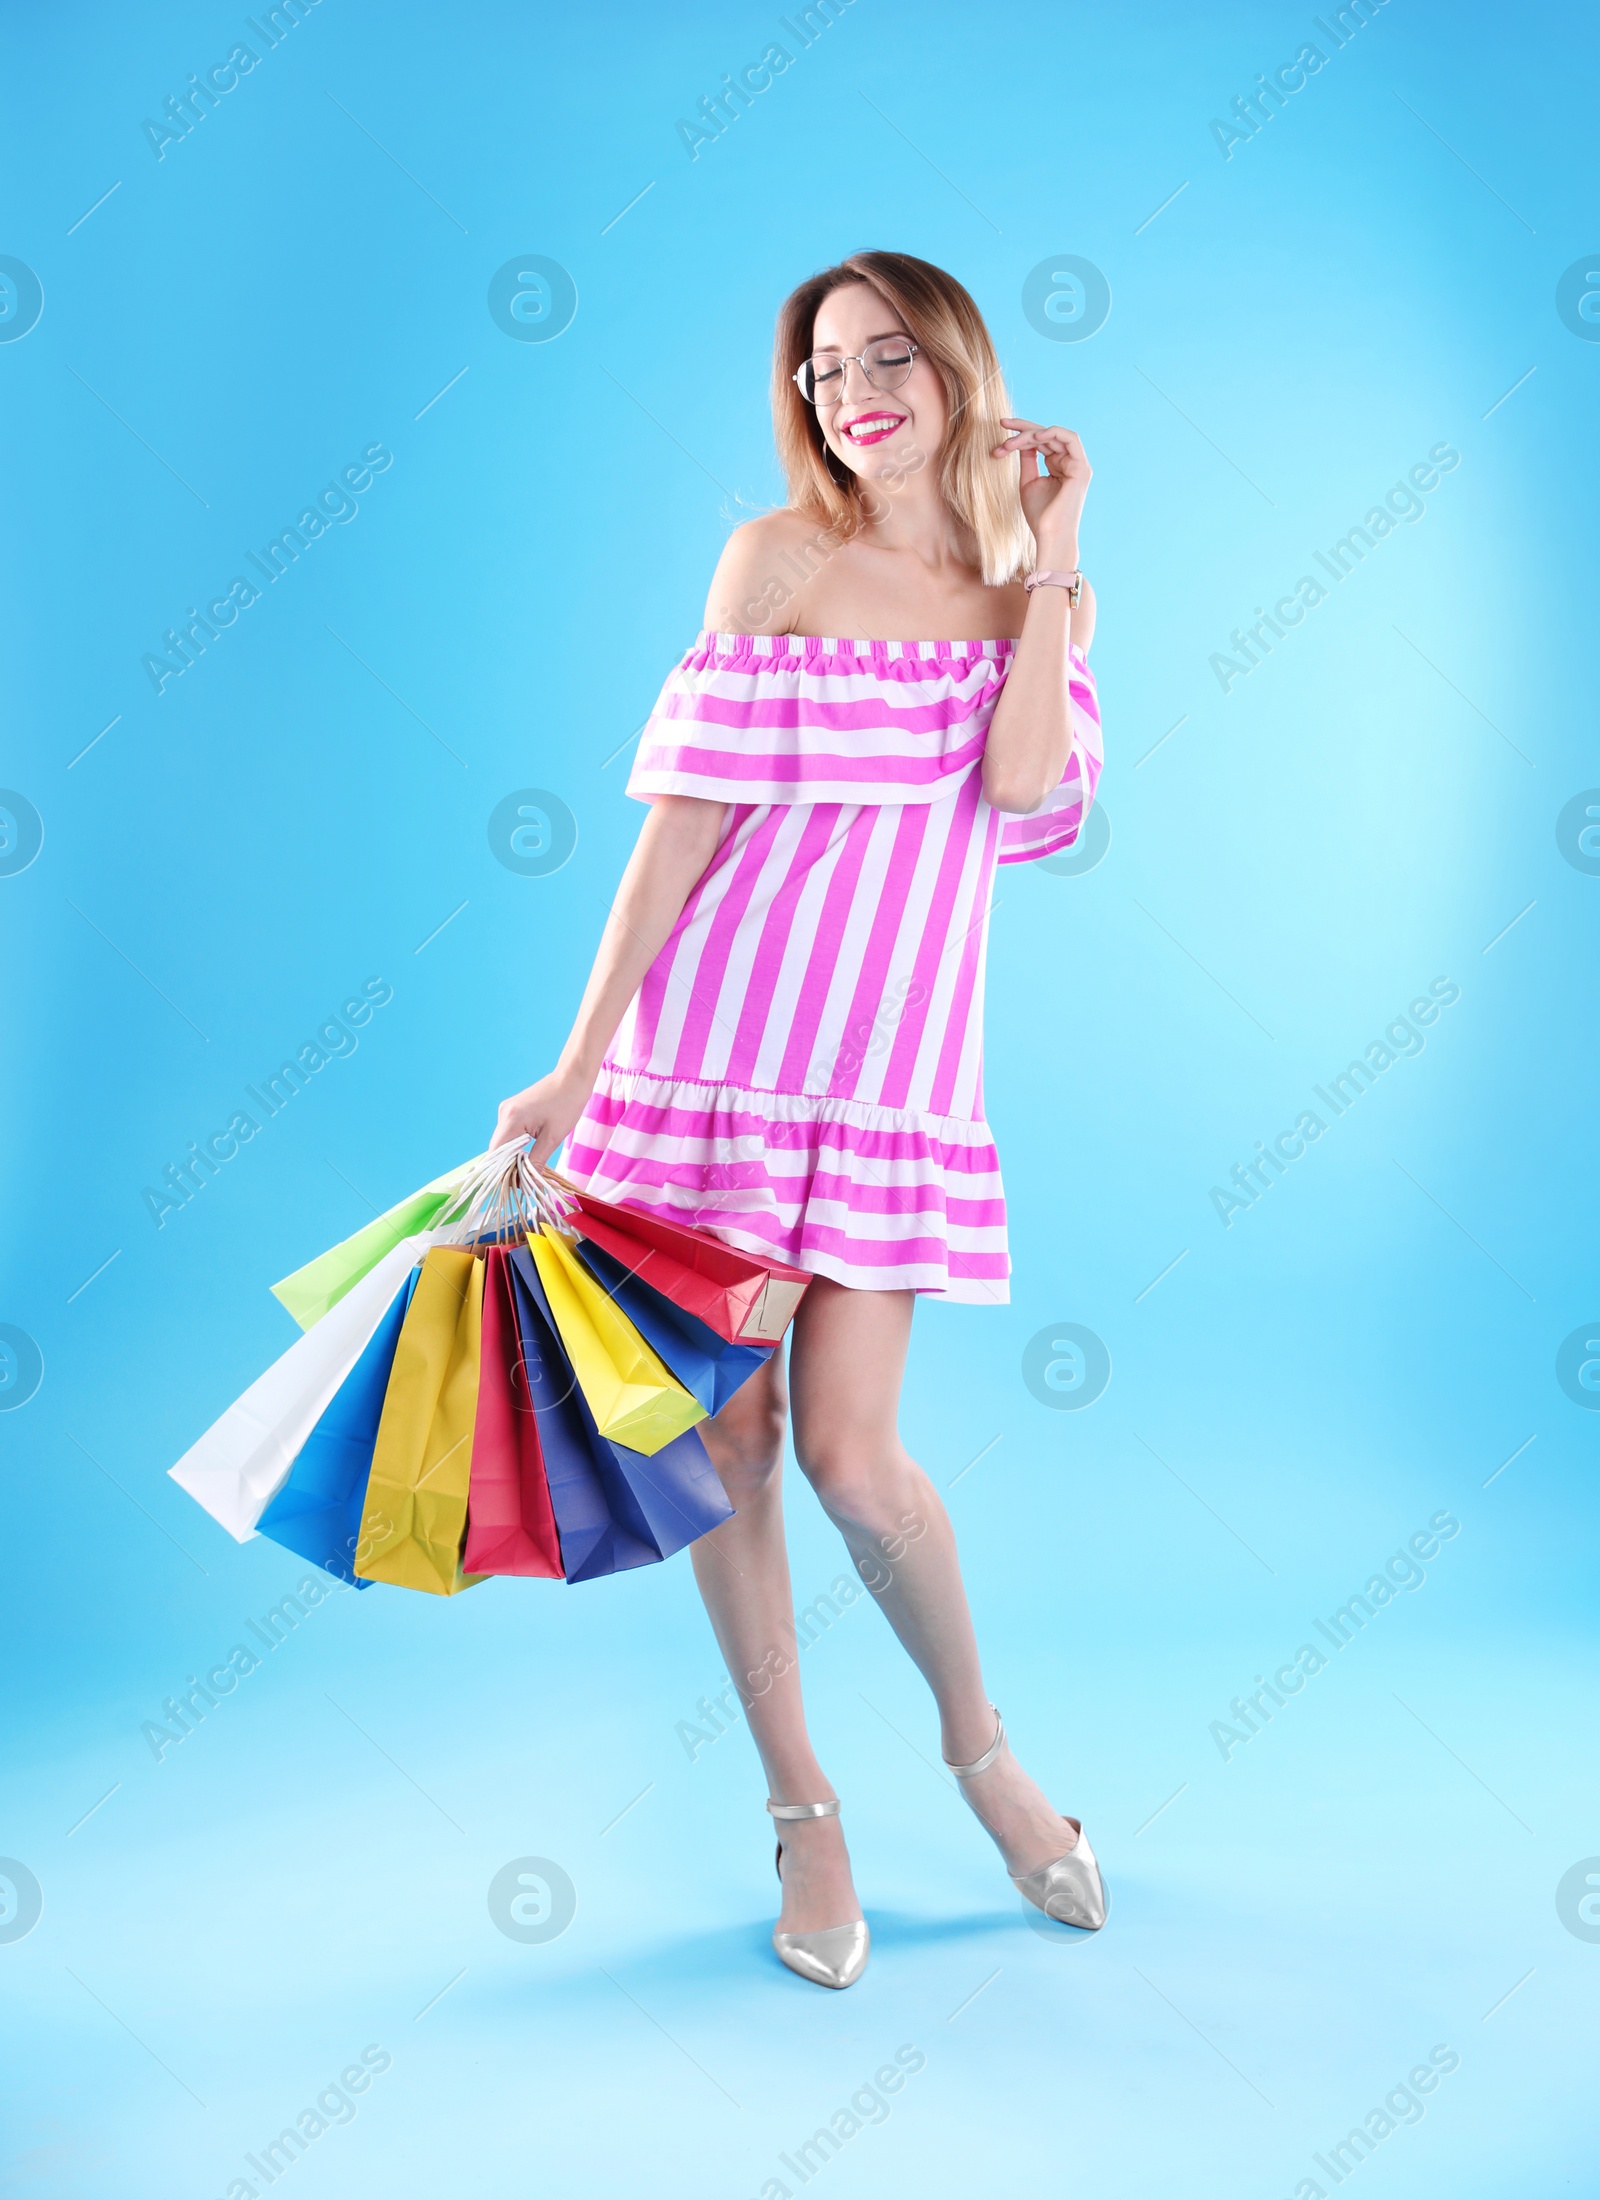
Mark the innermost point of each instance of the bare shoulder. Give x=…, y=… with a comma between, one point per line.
x=751, y=591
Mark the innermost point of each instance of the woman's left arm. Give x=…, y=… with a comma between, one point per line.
x=1030, y=734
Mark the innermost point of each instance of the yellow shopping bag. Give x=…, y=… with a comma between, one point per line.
x=635, y=1398
x=415, y=1515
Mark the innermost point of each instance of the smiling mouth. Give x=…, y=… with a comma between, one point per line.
x=871, y=427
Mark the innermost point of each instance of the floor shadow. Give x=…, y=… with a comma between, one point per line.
x=687, y=1969
x=906, y=1929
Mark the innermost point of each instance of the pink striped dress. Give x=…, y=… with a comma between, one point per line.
x=801, y=1071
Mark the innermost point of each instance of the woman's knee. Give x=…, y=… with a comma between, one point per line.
x=745, y=1439
x=865, y=1487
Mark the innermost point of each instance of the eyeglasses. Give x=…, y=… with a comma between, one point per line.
x=820, y=379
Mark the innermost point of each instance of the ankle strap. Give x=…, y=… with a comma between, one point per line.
x=804, y=1810
x=981, y=1764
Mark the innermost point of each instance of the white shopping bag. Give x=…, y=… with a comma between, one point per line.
x=239, y=1464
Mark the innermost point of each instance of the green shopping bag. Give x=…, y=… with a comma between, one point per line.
x=323, y=1282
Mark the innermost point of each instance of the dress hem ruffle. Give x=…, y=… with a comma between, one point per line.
x=875, y=1198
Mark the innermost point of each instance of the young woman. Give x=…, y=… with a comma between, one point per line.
x=781, y=1037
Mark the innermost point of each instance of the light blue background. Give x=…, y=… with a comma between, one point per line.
x=1369, y=810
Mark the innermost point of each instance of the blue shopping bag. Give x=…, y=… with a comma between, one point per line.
x=317, y=1512
x=615, y=1508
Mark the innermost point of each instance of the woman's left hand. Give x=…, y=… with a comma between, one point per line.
x=1052, y=502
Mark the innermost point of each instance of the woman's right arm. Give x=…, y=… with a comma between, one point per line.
x=677, y=843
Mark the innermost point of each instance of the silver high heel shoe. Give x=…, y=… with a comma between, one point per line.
x=837, y=1955
x=1070, y=1890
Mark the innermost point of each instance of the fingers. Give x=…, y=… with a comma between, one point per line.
x=1056, y=446
x=1061, y=448
x=544, y=1145
x=1018, y=433
x=508, y=1125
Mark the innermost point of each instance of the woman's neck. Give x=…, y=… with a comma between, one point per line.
x=911, y=519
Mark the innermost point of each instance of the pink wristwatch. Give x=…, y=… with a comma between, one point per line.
x=1071, y=582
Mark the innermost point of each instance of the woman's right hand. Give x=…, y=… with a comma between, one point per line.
x=545, y=1111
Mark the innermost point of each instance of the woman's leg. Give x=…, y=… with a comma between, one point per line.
x=743, y=1572
x=847, y=1360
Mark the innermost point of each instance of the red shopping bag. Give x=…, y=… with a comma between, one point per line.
x=511, y=1527
x=745, y=1297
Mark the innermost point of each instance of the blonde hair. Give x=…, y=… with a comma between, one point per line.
x=942, y=319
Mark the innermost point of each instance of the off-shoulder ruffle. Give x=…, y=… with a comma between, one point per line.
x=782, y=718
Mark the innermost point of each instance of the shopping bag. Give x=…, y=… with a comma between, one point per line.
x=745, y=1297
x=415, y=1516
x=598, y=1520
x=703, y=1362
x=634, y=1398
x=242, y=1459
x=317, y=1512
x=615, y=1507
x=312, y=1290
x=677, y=1489
x=511, y=1528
